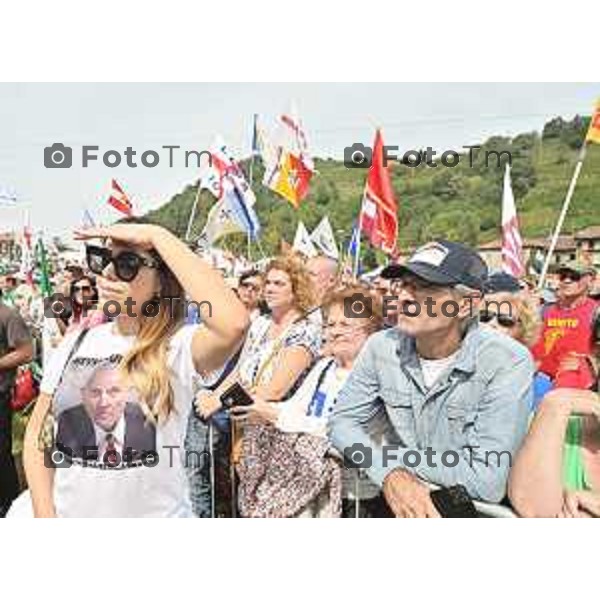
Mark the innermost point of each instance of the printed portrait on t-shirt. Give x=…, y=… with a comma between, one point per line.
x=99, y=417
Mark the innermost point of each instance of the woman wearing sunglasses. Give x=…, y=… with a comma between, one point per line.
x=136, y=429
x=509, y=310
x=83, y=297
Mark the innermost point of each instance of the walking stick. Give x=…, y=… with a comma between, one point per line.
x=211, y=450
x=232, y=471
x=356, y=498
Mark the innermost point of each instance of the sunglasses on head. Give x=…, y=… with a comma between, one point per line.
x=486, y=316
x=126, y=264
x=570, y=275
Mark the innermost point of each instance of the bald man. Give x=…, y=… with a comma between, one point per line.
x=323, y=273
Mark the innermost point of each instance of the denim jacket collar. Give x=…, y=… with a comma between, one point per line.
x=465, y=362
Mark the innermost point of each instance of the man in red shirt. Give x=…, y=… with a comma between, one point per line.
x=567, y=339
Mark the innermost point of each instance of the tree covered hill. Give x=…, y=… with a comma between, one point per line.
x=461, y=203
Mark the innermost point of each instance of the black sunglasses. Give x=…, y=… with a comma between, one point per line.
x=570, y=275
x=485, y=316
x=127, y=264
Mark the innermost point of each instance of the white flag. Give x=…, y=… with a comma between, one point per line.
x=512, y=243
x=220, y=222
x=303, y=243
x=324, y=239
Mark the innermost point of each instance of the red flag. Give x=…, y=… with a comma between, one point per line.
x=379, y=211
x=118, y=199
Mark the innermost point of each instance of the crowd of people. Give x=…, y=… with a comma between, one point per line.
x=434, y=388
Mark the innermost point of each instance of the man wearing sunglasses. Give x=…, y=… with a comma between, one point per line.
x=445, y=384
x=568, y=324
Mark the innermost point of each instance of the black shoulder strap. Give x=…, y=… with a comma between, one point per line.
x=76, y=345
x=323, y=373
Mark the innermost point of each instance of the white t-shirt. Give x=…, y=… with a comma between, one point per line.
x=309, y=409
x=433, y=369
x=92, y=397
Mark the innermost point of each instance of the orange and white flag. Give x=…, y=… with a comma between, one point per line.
x=593, y=134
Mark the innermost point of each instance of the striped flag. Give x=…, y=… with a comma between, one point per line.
x=512, y=243
x=118, y=199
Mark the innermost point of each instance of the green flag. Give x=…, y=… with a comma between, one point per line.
x=45, y=284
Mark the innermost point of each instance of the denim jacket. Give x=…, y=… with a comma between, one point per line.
x=477, y=410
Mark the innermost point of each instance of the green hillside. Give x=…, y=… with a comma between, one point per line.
x=462, y=203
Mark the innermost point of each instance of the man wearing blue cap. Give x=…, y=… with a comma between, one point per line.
x=456, y=395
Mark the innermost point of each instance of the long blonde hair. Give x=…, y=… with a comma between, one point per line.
x=145, y=365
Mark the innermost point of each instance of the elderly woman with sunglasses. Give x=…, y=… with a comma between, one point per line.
x=288, y=473
x=144, y=273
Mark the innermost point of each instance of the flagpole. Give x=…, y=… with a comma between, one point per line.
x=193, y=213
x=252, y=152
x=260, y=248
x=562, y=216
x=358, y=242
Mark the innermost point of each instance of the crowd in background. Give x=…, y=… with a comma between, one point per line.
x=356, y=387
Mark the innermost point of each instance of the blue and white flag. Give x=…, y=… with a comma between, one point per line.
x=227, y=182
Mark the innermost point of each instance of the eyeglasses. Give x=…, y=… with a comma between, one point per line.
x=249, y=286
x=83, y=288
x=570, y=276
x=127, y=264
x=508, y=321
x=415, y=285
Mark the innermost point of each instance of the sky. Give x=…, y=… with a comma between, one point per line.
x=149, y=116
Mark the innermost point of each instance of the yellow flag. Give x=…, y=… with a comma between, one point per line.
x=593, y=134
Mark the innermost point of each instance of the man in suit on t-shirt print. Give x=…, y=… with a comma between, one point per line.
x=107, y=422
